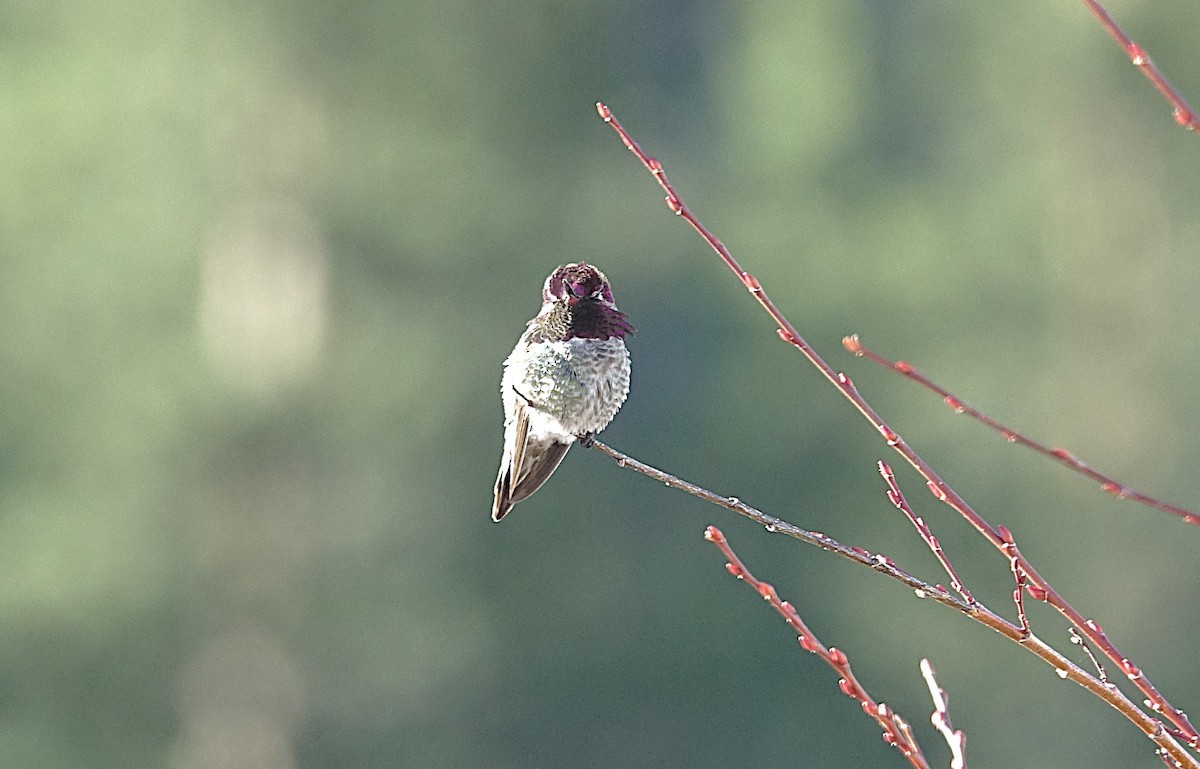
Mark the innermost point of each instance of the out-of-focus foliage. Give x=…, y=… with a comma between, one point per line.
x=261, y=263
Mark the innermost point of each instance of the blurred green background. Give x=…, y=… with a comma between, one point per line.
x=261, y=264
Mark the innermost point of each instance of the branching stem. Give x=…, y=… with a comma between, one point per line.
x=1034, y=583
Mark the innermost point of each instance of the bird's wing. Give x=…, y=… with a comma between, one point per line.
x=528, y=466
x=510, y=464
x=539, y=464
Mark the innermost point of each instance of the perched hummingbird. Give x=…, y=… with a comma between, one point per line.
x=564, y=381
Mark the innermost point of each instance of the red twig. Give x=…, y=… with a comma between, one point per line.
x=1165, y=738
x=876, y=561
x=941, y=719
x=1183, y=113
x=897, y=498
x=1078, y=639
x=939, y=488
x=1014, y=564
x=896, y=731
x=1062, y=456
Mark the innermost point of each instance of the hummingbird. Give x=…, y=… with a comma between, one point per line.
x=563, y=382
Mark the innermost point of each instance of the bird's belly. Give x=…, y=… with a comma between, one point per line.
x=575, y=386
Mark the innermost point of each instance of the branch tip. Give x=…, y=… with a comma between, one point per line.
x=1060, y=455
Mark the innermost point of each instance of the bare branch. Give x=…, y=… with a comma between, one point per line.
x=1063, y=667
x=1035, y=583
x=941, y=719
x=897, y=498
x=896, y=731
x=1078, y=639
x=1062, y=456
x=1183, y=113
x=1014, y=565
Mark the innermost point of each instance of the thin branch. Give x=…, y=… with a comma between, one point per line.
x=878, y=562
x=1183, y=113
x=1062, y=456
x=896, y=731
x=1063, y=667
x=941, y=718
x=939, y=488
x=897, y=498
x=1014, y=565
x=1078, y=639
